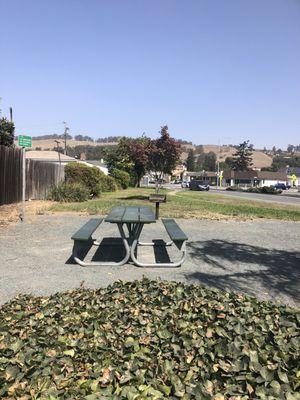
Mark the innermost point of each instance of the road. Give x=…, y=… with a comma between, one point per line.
x=270, y=198
x=281, y=199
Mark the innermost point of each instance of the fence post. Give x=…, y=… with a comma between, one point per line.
x=23, y=183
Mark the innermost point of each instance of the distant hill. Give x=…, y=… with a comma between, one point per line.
x=45, y=144
x=260, y=159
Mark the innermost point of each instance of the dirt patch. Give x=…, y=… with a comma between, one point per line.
x=12, y=212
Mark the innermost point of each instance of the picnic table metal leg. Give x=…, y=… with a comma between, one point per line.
x=77, y=246
x=138, y=263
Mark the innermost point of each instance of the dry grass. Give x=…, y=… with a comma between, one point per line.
x=50, y=143
x=185, y=204
x=11, y=213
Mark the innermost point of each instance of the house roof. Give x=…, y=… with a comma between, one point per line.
x=48, y=156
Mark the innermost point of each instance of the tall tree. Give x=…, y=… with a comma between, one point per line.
x=130, y=155
x=209, y=163
x=242, y=158
x=164, y=154
x=190, y=161
x=7, y=132
x=199, y=162
x=117, y=158
x=138, y=151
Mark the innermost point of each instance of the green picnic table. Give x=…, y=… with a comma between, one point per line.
x=133, y=218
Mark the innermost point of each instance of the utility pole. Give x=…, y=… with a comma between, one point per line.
x=57, y=146
x=218, y=164
x=65, y=137
x=11, y=114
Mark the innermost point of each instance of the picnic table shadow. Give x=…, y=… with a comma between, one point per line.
x=276, y=271
x=112, y=249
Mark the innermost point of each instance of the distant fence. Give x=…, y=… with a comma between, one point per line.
x=40, y=176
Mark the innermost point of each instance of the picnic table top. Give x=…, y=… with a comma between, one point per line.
x=131, y=214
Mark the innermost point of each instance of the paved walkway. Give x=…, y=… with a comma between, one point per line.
x=261, y=257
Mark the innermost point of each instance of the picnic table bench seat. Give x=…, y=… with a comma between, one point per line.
x=83, y=241
x=174, y=231
x=84, y=234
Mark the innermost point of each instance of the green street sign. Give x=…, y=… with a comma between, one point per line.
x=25, y=141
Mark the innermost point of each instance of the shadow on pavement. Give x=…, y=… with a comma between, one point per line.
x=274, y=271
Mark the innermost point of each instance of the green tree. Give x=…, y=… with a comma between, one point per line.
x=7, y=132
x=209, y=163
x=190, y=161
x=199, y=162
x=130, y=155
x=242, y=158
x=226, y=165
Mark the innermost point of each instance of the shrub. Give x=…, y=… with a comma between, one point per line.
x=94, y=179
x=69, y=192
x=148, y=340
x=122, y=178
x=232, y=188
x=264, y=189
x=106, y=184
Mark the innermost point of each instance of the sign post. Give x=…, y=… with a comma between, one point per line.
x=294, y=178
x=24, y=141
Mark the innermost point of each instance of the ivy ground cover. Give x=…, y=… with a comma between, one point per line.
x=148, y=340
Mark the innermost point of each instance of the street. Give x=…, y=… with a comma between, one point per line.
x=270, y=198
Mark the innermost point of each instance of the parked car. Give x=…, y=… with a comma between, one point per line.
x=177, y=181
x=198, y=185
x=185, y=184
x=282, y=186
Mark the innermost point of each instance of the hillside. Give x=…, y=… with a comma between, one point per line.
x=260, y=159
x=50, y=143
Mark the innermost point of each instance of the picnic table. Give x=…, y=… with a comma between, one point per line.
x=133, y=218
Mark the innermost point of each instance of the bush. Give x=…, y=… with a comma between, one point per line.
x=264, y=189
x=148, y=340
x=122, y=178
x=94, y=179
x=232, y=188
x=69, y=192
x=106, y=184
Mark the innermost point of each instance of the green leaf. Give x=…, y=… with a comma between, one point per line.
x=70, y=352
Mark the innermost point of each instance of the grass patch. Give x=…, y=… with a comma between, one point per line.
x=148, y=340
x=187, y=204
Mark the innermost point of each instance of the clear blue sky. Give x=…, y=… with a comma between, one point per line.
x=212, y=70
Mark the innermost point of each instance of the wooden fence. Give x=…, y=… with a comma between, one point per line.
x=10, y=175
x=40, y=176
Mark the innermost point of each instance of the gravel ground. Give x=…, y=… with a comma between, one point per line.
x=258, y=257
